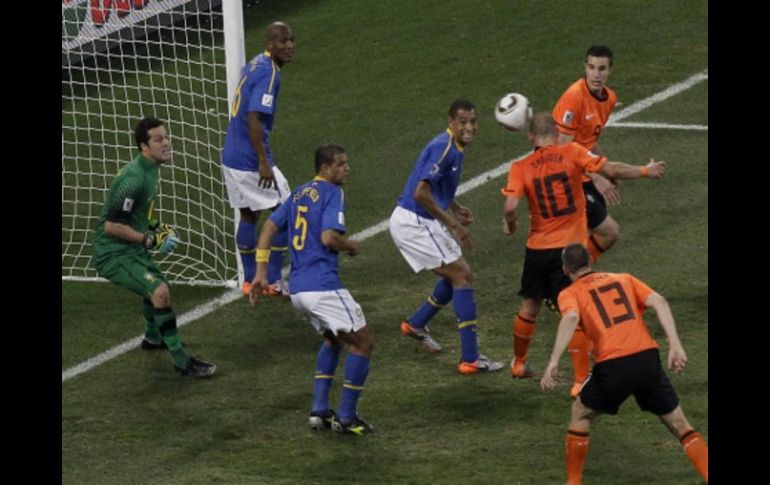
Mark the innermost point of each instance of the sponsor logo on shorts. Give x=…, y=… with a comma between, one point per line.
x=267, y=100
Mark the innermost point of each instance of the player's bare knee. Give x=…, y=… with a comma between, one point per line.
x=530, y=308
x=161, y=297
x=609, y=231
x=676, y=422
x=582, y=416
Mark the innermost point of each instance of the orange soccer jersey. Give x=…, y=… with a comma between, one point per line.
x=582, y=115
x=610, y=306
x=550, y=178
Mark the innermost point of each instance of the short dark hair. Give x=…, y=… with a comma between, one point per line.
x=324, y=155
x=459, y=104
x=599, y=51
x=141, y=133
x=575, y=257
x=277, y=29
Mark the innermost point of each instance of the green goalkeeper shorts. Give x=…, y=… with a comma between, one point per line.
x=137, y=273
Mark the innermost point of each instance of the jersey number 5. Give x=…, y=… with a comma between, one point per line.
x=300, y=224
x=546, y=199
x=621, y=300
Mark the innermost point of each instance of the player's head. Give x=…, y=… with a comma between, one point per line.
x=331, y=163
x=542, y=128
x=280, y=42
x=463, y=120
x=153, y=140
x=575, y=259
x=598, y=65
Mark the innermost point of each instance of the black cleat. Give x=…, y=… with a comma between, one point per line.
x=357, y=426
x=551, y=305
x=197, y=368
x=150, y=345
x=319, y=421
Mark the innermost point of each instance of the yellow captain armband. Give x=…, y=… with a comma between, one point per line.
x=263, y=255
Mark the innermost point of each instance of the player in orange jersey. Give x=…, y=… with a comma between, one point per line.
x=609, y=307
x=550, y=179
x=581, y=113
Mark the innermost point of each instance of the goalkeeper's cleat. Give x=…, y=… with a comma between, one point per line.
x=246, y=289
x=482, y=364
x=520, y=369
x=148, y=344
x=321, y=420
x=422, y=335
x=356, y=426
x=197, y=368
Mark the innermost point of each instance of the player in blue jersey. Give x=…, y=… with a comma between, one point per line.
x=429, y=227
x=254, y=182
x=314, y=216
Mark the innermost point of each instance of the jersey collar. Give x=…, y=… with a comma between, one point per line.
x=269, y=56
x=605, y=93
x=454, y=138
x=147, y=163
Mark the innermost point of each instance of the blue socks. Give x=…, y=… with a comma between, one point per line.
x=246, y=239
x=465, y=309
x=278, y=247
x=356, y=370
x=326, y=364
x=442, y=294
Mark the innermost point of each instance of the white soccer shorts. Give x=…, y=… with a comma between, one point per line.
x=424, y=243
x=334, y=310
x=243, y=189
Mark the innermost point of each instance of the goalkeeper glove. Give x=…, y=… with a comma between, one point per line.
x=164, y=239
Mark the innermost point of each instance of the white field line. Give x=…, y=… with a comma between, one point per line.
x=232, y=295
x=664, y=126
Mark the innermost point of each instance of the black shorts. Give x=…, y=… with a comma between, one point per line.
x=612, y=381
x=543, y=276
x=596, y=206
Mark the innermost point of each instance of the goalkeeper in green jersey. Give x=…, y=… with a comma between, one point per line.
x=125, y=234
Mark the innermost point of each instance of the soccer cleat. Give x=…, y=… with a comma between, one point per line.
x=246, y=289
x=356, y=426
x=319, y=421
x=482, y=364
x=197, y=368
x=422, y=336
x=150, y=345
x=279, y=288
x=551, y=305
x=521, y=369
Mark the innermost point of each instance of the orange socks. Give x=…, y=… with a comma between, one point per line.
x=577, y=450
x=697, y=452
x=579, y=351
x=523, y=330
x=594, y=248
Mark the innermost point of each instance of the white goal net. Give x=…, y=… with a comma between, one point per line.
x=126, y=59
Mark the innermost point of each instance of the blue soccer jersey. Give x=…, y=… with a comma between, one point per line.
x=312, y=209
x=257, y=91
x=440, y=164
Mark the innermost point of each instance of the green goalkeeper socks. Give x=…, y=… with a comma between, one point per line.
x=151, y=332
x=165, y=319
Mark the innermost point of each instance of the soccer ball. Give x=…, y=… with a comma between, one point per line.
x=513, y=111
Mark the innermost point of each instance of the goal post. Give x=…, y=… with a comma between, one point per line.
x=177, y=60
